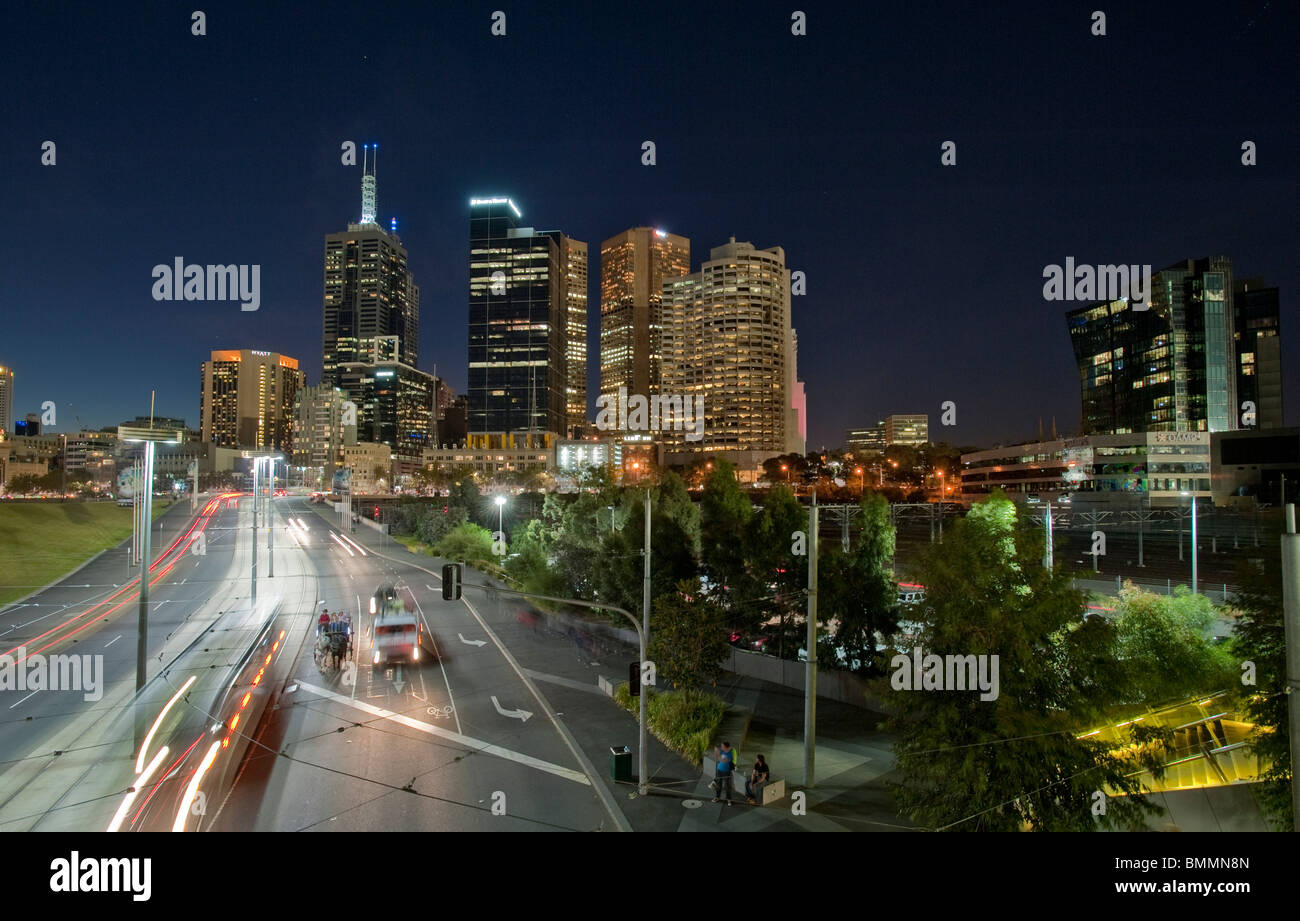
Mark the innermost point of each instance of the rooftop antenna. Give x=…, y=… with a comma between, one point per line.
x=368, y=187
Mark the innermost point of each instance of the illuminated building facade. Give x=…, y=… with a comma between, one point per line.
x=727, y=337
x=395, y=405
x=1185, y=363
x=247, y=399
x=633, y=266
x=518, y=317
x=372, y=303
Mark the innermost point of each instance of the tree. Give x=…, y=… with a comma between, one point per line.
x=1014, y=761
x=1165, y=642
x=688, y=639
x=776, y=549
x=620, y=566
x=724, y=516
x=529, y=561
x=467, y=543
x=24, y=483
x=858, y=588
x=1259, y=638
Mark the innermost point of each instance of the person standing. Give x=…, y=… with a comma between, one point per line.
x=722, y=777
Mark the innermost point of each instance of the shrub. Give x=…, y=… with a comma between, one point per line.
x=684, y=721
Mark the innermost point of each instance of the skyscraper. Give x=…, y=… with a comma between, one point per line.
x=1259, y=352
x=395, y=406
x=6, y=399
x=319, y=434
x=247, y=399
x=727, y=337
x=1177, y=365
x=633, y=266
x=575, y=330
x=518, y=288
x=370, y=295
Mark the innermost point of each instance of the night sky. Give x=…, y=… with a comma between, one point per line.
x=924, y=282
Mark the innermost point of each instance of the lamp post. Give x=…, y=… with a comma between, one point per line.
x=149, y=437
x=501, y=514
x=862, y=480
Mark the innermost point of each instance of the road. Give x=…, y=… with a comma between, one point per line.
x=458, y=743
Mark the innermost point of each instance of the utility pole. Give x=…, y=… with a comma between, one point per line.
x=270, y=521
x=142, y=640
x=643, y=765
x=1291, y=622
x=253, y=574
x=1194, y=548
x=1048, y=560
x=810, y=667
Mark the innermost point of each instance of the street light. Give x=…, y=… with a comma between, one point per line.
x=862, y=480
x=501, y=513
x=149, y=437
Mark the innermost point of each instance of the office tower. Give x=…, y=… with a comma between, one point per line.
x=633, y=266
x=1259, y=353
x=247, y=399
x=395, y=405
x=726, y=338
x=517, y=320
x=319, y=433
x=907, y=429
x=372, y=304
x=866, y=440
x=574, y=258
x=6, y=399
x=1177, y=365
x=796, y=406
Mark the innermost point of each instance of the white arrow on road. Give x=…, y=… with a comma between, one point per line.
x=398, y=680
x=521, y=715
x=471, y=642
x=430, y=587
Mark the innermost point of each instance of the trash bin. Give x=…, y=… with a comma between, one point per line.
x=620, y=764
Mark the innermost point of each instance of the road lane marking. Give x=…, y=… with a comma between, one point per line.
x=486, y=748
x=37, y=691
x=565, y=682
x=434, y=640
x=113, y=640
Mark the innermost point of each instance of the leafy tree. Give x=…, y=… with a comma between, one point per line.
x=1260, y=638
x=1014, y=761
x=777, y=576
x=529, y=560
x=467, y=543
x=725, y=513
x=858, y=588
x=688, y=639
x=24, y=483
x=1165, y=642
x=620, y=570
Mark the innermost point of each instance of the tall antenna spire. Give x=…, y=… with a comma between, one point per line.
x=368, y=188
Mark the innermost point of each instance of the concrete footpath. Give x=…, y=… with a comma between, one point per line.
x=567, y=656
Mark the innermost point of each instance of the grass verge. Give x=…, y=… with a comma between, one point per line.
x=43, y=540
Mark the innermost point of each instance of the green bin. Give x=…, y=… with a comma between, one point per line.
x=620, y=764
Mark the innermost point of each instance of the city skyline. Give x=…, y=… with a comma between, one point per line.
x=868, y=213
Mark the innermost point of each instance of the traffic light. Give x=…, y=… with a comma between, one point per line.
x=634, y=678
x=451, y=582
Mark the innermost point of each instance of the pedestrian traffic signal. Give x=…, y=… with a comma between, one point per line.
x=451, y=582
x=634, y=678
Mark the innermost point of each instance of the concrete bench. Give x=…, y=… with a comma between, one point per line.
x=772, y=791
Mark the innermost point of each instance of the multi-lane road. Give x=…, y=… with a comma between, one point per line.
x=463, y=740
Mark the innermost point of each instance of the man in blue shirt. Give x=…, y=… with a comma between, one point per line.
x=722, y=778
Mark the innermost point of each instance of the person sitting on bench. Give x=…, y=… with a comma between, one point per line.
x=756, y=781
